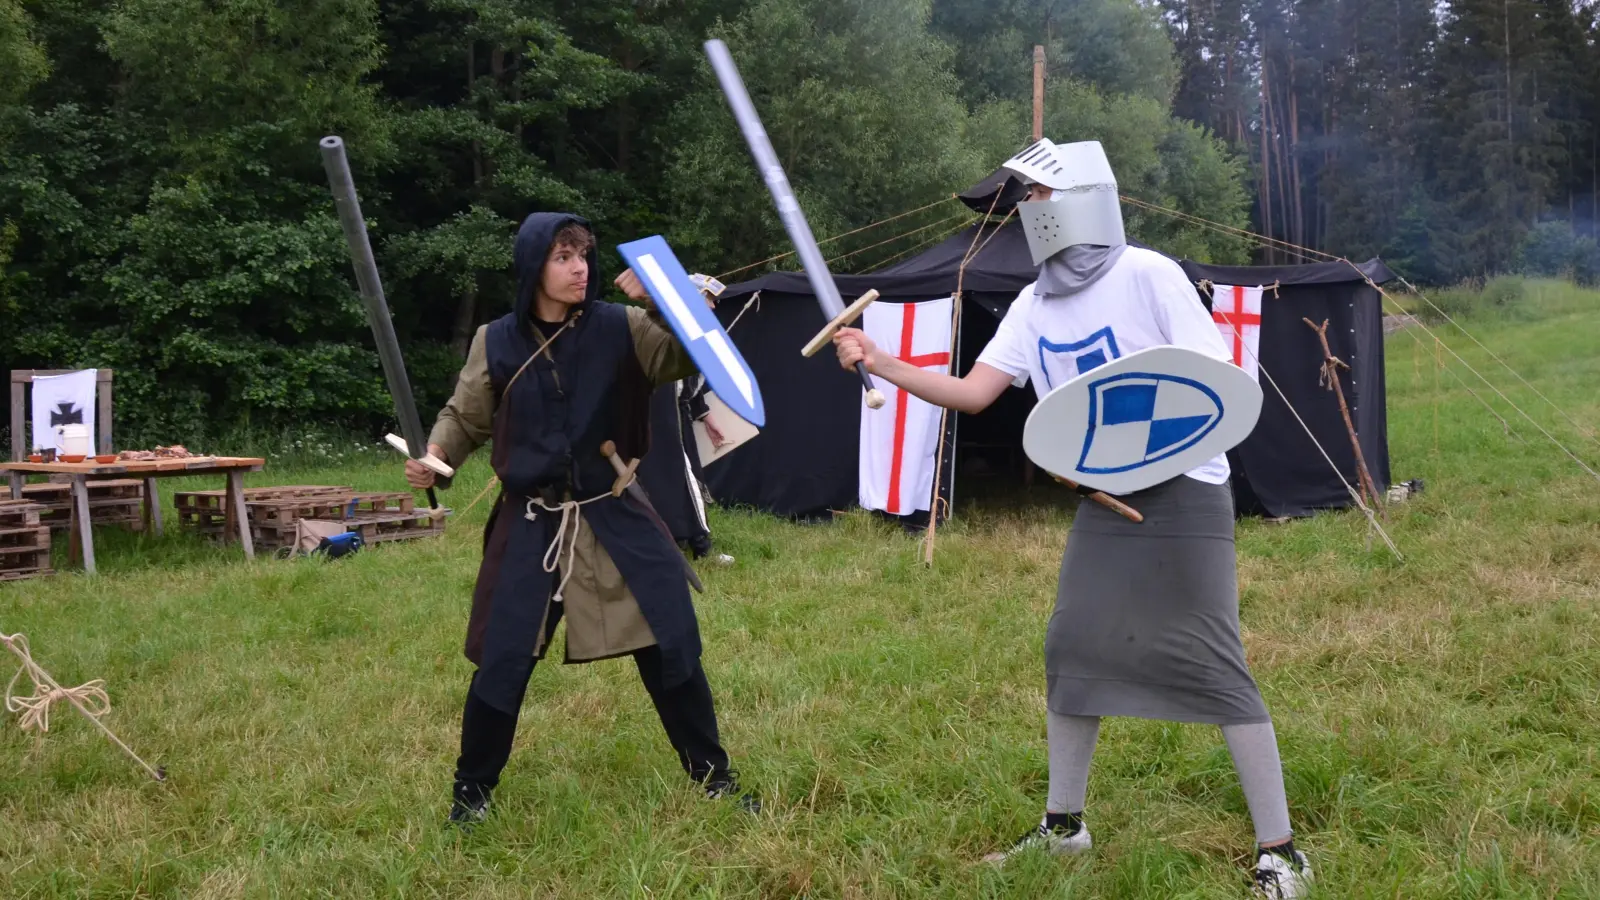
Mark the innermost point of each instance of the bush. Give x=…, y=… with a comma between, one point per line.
x=1503, y=296
x=1586, y=262
x=1554, y=250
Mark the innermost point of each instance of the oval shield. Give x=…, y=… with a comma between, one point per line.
x=1142, y=419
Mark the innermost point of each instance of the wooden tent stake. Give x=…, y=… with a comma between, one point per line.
x=1330, y=379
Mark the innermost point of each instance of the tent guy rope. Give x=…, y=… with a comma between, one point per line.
x=869, y=225
x=961, y=218
x=916, y=248
x=1310, y=253
x=90, y=699
x=944, y=414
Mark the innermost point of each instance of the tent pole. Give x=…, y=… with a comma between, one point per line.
x=1038, y=91
x=946, y=426
x=1330, y=376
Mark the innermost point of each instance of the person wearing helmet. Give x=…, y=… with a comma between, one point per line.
x=1146, y=619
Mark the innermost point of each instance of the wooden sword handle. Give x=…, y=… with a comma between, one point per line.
x=1106, y=500
x=624, y=471
x=875, y=398
x=850, y=314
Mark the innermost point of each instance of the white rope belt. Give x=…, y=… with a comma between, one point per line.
x=571, y=521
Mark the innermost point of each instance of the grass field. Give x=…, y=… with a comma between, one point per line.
x=1438, y=717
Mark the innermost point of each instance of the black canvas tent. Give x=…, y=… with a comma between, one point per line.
x=805, y=462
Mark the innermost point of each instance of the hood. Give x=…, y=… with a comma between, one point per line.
x=1075, y=268
x=529, y=253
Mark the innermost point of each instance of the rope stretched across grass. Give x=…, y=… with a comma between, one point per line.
x=90, y=699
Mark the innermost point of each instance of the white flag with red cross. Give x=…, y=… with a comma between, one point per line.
x=900, y=440
x=1237, y=312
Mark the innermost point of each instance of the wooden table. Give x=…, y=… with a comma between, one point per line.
x=82, y=473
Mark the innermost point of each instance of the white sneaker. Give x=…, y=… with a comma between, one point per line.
x=1279, y=879
x=1041, y=838
x=722, y=559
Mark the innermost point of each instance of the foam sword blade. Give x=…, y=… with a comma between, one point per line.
x=355, y=233
x=794, y=220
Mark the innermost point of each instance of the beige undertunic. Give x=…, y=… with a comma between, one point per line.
x=602, y=616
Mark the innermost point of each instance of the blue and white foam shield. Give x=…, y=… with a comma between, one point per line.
x=696, y=326
x=1143, y=419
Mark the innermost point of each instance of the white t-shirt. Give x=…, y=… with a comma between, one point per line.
x=1144, y=301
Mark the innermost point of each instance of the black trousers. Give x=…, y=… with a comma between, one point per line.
x=687, y=713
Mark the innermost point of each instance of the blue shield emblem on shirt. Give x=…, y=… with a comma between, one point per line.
x=696, y=326
x=1062, y=362
x=1139, y=418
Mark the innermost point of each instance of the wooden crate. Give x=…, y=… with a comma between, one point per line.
x=114, y=502
x=24, y=541
x=207, y=511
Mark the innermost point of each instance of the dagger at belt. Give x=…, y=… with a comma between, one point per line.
x=627, y=483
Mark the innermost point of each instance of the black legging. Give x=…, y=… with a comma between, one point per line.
x=687, y=713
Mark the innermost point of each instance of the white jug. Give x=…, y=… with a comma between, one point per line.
x=73, y=440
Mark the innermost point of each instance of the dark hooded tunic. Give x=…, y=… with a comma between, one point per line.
x=625, y=586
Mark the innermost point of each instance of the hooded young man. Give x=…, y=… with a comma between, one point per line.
x=550, y=383
x=1146, y=620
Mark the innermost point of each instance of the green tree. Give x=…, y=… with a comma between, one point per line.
x=1163, y=161
x=1119, y=46
x=182, y=232
x=22, y=61
x=863, y=110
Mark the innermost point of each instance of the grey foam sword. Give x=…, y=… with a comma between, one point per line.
x=794, y=220
x=415, y=443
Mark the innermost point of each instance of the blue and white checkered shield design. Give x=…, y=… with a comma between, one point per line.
x=1139, y=418
x=1142, y=419
x=696, y=326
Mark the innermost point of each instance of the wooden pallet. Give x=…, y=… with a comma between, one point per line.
x=117, y=502
x=19, y=513
x=377, y=517
x=207, y=511
x=371, y=504
x=275, y=512
x=24, y=541
x=404, y=526
x=24, y=574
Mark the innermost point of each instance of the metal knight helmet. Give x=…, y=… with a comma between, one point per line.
x=1083, y=207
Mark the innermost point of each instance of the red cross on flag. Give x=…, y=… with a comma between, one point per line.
x=1237, y=312
x=900, y=440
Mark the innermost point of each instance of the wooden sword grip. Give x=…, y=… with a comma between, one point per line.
x=625, y=471
x=840, y=321
x=1106, y=500
x=433, y=463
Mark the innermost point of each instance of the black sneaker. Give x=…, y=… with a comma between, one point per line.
x=469, y=804
x=726, y=784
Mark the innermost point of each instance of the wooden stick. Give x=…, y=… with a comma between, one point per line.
x=1038, y=91
x=1330, y=371
x=1104, y=499
x=944, y=422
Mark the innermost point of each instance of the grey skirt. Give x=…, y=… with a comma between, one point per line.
x=1146, y=622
